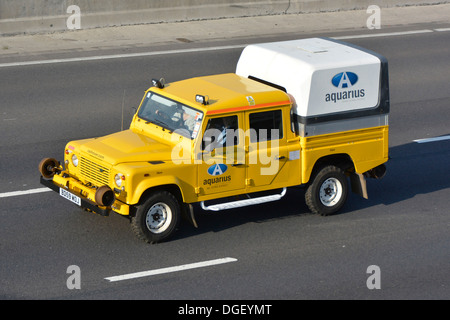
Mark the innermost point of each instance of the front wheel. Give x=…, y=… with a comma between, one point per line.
x=157, y=218
x=328, y=191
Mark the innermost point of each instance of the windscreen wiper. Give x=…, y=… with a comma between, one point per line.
x=162, y=124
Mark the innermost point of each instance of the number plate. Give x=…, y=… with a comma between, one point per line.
x=69, y=196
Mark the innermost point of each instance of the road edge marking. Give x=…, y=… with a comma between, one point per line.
x=386, y=34
x=203, y=49
x=118, y=56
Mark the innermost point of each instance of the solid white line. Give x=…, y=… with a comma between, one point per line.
x=170, y=269
x=433, y=139
x=22, y=193
x=442, y=29
x=389, y=34
x=156, y=53
x=116, y=56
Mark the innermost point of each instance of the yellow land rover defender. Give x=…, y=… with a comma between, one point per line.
x=310, y=112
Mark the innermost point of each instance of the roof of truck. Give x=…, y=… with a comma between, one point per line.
x=226, y=93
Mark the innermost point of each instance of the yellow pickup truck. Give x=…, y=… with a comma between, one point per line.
x=310, y=112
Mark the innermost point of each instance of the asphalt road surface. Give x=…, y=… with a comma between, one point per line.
x=277, y=250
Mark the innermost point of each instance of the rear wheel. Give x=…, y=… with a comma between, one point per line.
x=328, y=191
x=157, y=218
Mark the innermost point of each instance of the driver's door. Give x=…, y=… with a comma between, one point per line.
x=222, y=168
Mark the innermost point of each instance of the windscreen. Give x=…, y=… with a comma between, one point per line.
x=171, y=115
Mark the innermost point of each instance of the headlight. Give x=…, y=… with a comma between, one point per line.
x=118, y=179
x=75, y=160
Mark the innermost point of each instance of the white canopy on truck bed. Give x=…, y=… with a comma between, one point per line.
x=328, y=79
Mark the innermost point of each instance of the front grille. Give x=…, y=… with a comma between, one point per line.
x=94, y=172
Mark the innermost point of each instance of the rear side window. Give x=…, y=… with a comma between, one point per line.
x=266, y=126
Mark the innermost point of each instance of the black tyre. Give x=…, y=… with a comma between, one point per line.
x=328, y=191
x=157, y=218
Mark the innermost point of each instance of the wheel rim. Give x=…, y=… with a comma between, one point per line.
x=158, y=217
x=330, y=192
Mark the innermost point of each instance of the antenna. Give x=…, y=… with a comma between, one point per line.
x=123, y=102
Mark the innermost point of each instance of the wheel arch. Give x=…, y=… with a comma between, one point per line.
x=172, y=188
x=341, y=160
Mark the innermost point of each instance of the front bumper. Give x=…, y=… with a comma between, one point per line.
x=83, y=195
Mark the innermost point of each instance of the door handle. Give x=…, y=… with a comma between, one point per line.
x=280, y=158
x=237, y=164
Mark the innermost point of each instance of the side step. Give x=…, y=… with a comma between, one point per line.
x=243, y=203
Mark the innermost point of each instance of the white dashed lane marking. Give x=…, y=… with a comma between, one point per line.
x=171, y=269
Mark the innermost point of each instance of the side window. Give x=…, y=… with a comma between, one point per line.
x=266, y=126
x=221, y=132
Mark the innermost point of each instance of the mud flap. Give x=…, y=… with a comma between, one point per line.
x=188, y=214
x=358, y=184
